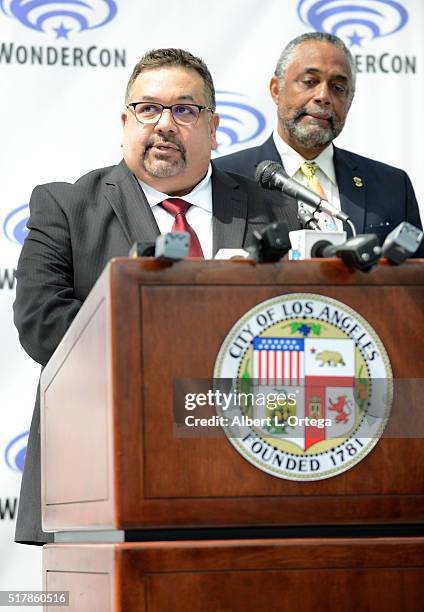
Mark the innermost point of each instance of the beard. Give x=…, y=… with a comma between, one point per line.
x=160, y=165
x=313, y=134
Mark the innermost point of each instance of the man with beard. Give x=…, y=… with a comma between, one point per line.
x=313, y=88
x=165, y=182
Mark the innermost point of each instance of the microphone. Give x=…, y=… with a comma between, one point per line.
x=172, y=246
x=402, y=242
x=304, y=243
x=361, y=252
x=306, y=218
x=272, y=175
x=142, y=248
x=324, y=248
x=272, y=244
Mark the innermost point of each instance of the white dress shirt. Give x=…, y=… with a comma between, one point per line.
x=199, y=215
x=325, y=173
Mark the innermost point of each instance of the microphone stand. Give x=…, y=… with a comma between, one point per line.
x=307, y=219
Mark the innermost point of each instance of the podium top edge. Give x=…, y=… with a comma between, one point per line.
x=307, y=272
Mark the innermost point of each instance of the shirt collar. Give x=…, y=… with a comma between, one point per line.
x=197, y=197
x=292, y=160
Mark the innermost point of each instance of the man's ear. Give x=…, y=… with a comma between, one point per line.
x=214, y=122
x=124, y=119
x=274, y=88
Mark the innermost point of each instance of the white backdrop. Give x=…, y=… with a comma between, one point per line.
x=63, y=79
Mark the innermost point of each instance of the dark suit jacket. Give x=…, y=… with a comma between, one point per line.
x=386, y=198
x=74, y=230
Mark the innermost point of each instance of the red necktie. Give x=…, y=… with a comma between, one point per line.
x=178, y=208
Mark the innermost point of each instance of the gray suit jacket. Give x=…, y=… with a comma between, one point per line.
x=74, y=230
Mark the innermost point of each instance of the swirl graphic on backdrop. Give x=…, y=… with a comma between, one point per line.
x=60, y=16
x=15, y=225
x=354, y=21
x=239, y=121
x=15, y=452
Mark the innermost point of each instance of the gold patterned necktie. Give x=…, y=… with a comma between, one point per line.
x=309, y=169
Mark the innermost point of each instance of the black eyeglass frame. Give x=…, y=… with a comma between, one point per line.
x=200, y=107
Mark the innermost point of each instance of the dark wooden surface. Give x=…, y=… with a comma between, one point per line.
x=157, y=323
x=346, y=575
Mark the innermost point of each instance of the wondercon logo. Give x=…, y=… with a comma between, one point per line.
x=15, y=452
x=14, y=226
x=239, y=121
x=60, y=17
x=354, y=21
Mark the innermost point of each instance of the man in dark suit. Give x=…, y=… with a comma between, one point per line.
x=169, y=129
x=313, y=88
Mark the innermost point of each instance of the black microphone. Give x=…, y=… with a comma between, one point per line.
x=272, y=244
x=324, y=248
x=361, y=252
x=171, y=246
x=272, y=175
x=402, y=242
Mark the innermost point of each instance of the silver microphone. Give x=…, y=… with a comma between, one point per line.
x=272, y=175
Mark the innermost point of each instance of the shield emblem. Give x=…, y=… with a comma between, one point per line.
x=321, y=374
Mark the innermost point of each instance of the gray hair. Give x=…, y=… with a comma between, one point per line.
x=286, y=55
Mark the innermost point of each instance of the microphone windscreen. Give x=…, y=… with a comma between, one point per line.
x=265, y=170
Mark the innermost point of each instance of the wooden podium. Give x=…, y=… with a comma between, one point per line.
x=113, y=461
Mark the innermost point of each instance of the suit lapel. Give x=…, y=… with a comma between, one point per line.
x=268, y=151
x=130, y=205
x=352, y=192
x=229, y=212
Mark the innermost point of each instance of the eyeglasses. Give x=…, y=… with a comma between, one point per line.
x=183, y=114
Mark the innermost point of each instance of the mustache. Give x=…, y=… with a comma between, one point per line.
x=154, y=141
x=318, y=112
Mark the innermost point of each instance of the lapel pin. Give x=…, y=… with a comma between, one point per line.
x=358, y=181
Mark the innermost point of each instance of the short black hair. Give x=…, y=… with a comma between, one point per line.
x=157, y=58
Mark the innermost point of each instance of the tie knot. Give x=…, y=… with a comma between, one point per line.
x=308, y=169
x=175, y=206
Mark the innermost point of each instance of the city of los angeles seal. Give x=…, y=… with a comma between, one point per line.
x=311, y=385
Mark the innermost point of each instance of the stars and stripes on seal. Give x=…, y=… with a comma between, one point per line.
x=278, y=360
